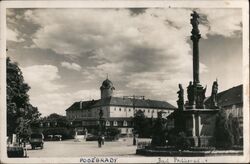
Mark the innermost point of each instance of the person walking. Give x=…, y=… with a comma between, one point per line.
x=103, y=139
x=99, y=141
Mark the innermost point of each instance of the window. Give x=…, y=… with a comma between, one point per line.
x=125, y=123
x=107, y=123
x=120, y=109
x=115, y=109
x=153, y=111
x=149, y=111
x=115, y=123
x=120, y=123
x=129, y=109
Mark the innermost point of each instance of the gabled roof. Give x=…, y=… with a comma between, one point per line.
x=229, y=97
x=138, y=103
x=118, y=101
x=82, y=105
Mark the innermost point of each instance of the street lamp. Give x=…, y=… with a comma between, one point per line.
x=100, y=128
x=133, y=103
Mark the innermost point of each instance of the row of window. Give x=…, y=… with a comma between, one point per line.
x=118, y=123
x=78, y=114
x=144, y=110
x=108, y=123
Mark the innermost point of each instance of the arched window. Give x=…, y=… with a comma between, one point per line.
x=125, y=123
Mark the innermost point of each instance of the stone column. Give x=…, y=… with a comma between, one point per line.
x=198, y=125
x=195, y=38
x=193, y=128
x=198, y=128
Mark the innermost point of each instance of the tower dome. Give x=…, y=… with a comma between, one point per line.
x=107, y=84
x=107, y=88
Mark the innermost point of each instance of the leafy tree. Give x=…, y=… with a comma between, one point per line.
x=223, y=133
x=66, y=133
x=142, y=125
x=159, y=132
x=57, y=120
x=59, y=125
x=234, y=127
x=20, y=113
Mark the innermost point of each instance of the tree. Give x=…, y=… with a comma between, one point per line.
x=223, y=133
x=234, y=127
x=20, y=113
x=159, y=132
x=142, y=125
x=59, y=125
x=57, y=120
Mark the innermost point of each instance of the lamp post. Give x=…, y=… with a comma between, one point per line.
x=133, y=104
x=100, y=128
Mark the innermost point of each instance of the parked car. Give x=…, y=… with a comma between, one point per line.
x=36, y=140
x=91, y=137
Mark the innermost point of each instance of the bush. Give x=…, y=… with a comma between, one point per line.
x=112, y=133
x=65, y=132
x=15, y=152
x=223, y=135
x=178, y=140
x=182, y=142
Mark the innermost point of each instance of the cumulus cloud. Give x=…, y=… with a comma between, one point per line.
x=72, y=66
x=144, y=53
x=225, y=22
x=12, y=35
x=42, y=77
x=58, y=102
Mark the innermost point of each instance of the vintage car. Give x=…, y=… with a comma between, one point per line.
x=91, y=137
x=36, y=140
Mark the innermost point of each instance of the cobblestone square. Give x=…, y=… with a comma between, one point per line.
x=70, y=148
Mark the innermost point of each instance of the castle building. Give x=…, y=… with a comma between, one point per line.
x=117, y=111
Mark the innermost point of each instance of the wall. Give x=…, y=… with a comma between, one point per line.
x=120, y=111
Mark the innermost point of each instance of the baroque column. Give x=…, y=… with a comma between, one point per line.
x=195, y=38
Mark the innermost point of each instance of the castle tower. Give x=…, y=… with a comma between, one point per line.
x=107, y=89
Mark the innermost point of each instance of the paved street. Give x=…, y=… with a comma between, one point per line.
x=69, y=148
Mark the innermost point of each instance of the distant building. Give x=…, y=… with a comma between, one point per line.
x=231, y=101
x=117, y=111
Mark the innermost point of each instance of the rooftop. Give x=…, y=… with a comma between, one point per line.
x=229, y=97
x=118, y=101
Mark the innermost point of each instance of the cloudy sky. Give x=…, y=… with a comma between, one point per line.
x=65, y=54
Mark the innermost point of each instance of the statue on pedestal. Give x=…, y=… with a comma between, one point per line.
x=214, y=95
x=180, y=101
x=190, y=93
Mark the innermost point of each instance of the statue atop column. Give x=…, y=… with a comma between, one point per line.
x=195, y=38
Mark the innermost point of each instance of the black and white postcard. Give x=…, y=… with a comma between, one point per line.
x=124, y=81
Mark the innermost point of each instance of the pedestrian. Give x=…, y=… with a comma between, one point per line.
x=103, y=139
x=99, y=141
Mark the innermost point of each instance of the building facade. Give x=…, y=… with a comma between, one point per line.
x=117, y=111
